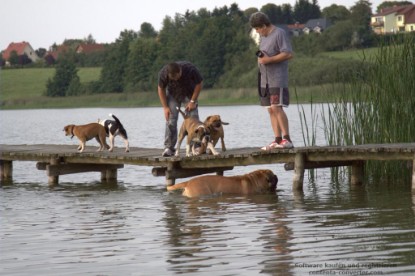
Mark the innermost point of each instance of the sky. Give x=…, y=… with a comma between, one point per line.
x=45, y=22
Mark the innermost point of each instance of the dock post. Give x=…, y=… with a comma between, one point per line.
x=299, y=163
x=357, y=173
x=109, y=175
x=171, y=166
x=52, y=180
x=413, y=175
x=6, y=168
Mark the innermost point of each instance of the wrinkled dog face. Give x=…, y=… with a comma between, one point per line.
x=201, y=135
x=214, y=121
x=268, y=180
x=272, y=181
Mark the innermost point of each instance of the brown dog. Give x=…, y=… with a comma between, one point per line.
x=256, y=182
x=196, y=132
x=215, y=125
x=86, y=133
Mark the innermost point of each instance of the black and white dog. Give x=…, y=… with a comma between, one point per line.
x=114, y=128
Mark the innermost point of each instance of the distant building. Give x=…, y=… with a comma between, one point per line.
x=316, y=25
x=21, y=49
x=89, y=48
x=53, y=54
x=394, y=19
x=296, y=29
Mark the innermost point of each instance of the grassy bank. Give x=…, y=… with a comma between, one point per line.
x=24, y=89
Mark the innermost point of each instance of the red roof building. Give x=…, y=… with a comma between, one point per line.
x=21, y=48
x=89, y=48
x=394, y=19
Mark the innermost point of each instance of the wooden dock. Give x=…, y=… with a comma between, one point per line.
x=58, y=160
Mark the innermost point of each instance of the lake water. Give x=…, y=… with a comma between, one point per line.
x=84, y=227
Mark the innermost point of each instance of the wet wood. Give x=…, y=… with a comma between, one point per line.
x=302, y=158
x=298, y=180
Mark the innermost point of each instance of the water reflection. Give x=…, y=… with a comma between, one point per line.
x=203, y=233
x=135, y=227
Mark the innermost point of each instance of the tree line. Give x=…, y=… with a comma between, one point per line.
x=216, y=41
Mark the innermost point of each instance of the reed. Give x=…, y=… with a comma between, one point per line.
x=377, y=107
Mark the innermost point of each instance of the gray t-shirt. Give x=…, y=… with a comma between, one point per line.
x=276, y=74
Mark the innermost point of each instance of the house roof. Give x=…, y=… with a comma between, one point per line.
x=323, y=23
x=56, y=52
x=409, y=13
x=394, y=9
x=89, y=48
x=19, y=47
x=296, y=26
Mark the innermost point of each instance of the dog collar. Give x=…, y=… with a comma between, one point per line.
x=72, y=134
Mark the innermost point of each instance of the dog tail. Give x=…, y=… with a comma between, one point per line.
x=122, y=130
x=177, y=186
x=115, y=118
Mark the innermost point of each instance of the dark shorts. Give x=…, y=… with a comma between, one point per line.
x=275, y=96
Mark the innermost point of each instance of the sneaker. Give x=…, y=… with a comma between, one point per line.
x=285, y=144
x=167, y=152
x=271, y=146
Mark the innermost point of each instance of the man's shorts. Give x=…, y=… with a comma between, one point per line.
x=274, y=96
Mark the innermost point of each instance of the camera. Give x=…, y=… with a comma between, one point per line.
x=259, y=54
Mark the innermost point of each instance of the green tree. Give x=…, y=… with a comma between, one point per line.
x=304, y=10
x=113, y=71
x=147, y=31
x=14, y=58
x=287, y=14
x=140, y=65
x=336, y=13
x=89, y=39
x=338, y=37
x=41, y=52
x=65, y=75
x=361, y=14
x=388, y=4
x=274, y=13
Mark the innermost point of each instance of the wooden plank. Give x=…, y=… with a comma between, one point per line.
x=298, y=172
x=6, y=169
x=53, y=179
x=357, y=173
x=183, y=173
x=313, y=157
x=413, y=175
x=62, y=169
x=320, y=164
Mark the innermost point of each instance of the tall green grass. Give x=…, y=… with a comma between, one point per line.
x=377, y=107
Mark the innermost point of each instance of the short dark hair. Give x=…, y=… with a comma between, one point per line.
x=259, y=19
x=173, y=69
